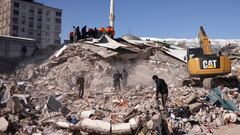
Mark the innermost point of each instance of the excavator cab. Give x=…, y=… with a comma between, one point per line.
x=194, y=52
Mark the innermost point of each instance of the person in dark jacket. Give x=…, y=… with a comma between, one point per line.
x=80, y=83
x=116, y=80
x=84, y=32
x=24, y=51
x=71, y=37
x=78, y=33
x=35, y=51
x=162, y=88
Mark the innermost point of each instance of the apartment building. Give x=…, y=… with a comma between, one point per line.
x=29, y=19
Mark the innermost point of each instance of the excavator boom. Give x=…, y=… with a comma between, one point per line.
x=204, y=41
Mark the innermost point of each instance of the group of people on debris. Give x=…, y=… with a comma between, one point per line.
x=76, y=34
x=121, y=78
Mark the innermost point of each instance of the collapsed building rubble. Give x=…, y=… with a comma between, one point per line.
x=42, y=98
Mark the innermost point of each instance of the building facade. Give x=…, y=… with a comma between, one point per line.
x=29, y=19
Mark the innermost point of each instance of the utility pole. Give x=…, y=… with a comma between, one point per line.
x=111, y=17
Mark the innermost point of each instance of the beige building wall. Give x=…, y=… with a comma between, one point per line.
x=5, y=12
x=32, y=20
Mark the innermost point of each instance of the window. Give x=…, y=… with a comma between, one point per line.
x=16, y=4
x=23, y=6
x=38, y=40
x=30, y=31
x=30, y=24
x=39, y=11
x=15, y=12
x=56, y=34
x=31, y=18
x=15, y=28
x=14, y=34
x=57, y=28
x=48, y=12
x=48, y=19
x=15, y=20
x=57, y=20
x=22, y=29
x=39, y=34
x=23, y=15
x=57, y=41
x=58, y=13
x=31, y=10
x=47, y=26
x=39, y=26
x=39, y=19
x=23, y=22
x=46, y=33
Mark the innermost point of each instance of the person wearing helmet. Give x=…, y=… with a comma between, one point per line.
x=162, y=88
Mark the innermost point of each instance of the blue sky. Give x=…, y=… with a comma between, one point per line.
x=154, y=18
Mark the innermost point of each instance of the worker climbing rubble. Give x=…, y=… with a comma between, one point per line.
x=80, y=83
x=116, y=80
x=161, y=88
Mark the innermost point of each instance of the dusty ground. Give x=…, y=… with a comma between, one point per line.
x=232, y=129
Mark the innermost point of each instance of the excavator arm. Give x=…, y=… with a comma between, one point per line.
x=204, y=41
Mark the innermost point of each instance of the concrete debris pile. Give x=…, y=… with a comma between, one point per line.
x=42, y=97
x=234, y=53
x=194, y=111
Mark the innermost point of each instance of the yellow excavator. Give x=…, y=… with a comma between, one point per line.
x=206, y=68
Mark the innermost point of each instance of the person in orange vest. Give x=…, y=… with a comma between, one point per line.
x=110, y=31
x=102, y=30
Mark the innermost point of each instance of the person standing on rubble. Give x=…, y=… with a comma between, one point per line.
x=24, y=51
x=71, y=37
x=74, y=34
x=116, y=80
x=124, y=78
x=162, y=88
x=80, y=82
x=78, y=33
x=84, y=32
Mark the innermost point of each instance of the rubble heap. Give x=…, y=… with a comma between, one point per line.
x=42, y=98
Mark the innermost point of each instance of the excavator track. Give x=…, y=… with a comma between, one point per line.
x=209, y=83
